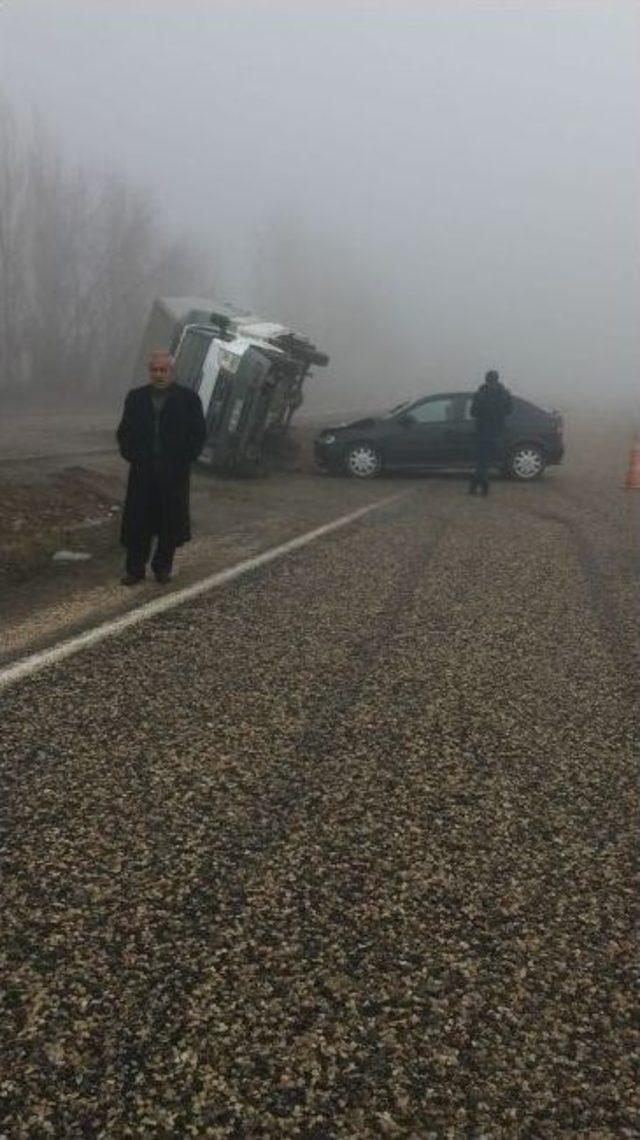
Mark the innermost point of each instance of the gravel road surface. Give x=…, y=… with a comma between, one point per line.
x=345, y=849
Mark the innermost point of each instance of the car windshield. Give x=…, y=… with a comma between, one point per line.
x=398, y=408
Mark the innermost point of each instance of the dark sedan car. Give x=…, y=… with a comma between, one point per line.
x=437, y=433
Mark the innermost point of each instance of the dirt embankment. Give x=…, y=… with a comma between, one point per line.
x=39, y=518
x=57, y=483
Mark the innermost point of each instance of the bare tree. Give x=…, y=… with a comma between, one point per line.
x=81, y=257
x=13, y=234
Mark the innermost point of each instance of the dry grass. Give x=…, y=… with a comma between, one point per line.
x=36, y=519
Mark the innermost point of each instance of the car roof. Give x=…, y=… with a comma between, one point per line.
x=438, y=396
x=523, y=403
x=464, y=395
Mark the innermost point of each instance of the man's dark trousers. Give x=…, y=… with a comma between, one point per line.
x=485, y=450
x=139, y=550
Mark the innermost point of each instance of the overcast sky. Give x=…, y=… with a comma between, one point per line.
x=477, y=162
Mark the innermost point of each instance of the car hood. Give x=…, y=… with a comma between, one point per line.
x=366, y=422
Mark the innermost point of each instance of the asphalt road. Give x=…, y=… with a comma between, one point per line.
x=345, y=849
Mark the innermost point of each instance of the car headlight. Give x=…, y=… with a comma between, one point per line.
x=328, y=438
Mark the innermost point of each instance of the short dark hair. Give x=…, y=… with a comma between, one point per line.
x=492, y=375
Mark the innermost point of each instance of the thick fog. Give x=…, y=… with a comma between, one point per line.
x=428, y=190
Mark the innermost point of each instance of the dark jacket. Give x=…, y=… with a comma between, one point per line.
x=490, y=407
x=162, y=478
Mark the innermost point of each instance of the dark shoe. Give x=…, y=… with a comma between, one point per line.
x=485, y=491
x=472, y=489
x=163, y=576
x=132, y=579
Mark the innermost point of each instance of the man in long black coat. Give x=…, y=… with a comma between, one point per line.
x=161, y=433
x=490, y=407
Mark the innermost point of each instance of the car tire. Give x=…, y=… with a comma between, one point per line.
x=363, y=461
x=526, y=462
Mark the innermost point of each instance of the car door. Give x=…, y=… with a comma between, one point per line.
x=461, y=448
x=428, y=429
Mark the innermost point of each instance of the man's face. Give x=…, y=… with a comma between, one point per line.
x=160, y=371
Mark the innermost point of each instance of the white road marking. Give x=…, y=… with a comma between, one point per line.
x=36, y=661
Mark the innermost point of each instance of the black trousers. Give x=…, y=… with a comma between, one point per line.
x=154, y=526
x=485, y=450
x=138, y=556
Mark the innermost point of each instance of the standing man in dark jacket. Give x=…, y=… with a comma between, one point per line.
x=161, y=433
x=490, y=407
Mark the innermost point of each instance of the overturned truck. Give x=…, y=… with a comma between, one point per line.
x=248, y=372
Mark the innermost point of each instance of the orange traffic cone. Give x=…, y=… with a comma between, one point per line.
x=633, y=474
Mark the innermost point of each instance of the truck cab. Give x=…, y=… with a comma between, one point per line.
x=245, y=386
x=248, y=372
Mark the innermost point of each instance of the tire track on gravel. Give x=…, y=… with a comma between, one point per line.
x=264, y=829
x=600, y=590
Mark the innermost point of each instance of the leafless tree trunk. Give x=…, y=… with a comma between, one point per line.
x=13, y=234
x=81, y=258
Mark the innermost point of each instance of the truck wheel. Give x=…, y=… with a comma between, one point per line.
x=363, y=461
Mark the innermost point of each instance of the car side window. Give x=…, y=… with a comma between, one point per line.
x=434, y=412
x=466, y=410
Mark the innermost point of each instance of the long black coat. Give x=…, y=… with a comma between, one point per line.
x=182, y=435
x=489, y=408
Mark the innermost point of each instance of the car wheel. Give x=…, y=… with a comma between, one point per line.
x=363, y=461
x=526, y=462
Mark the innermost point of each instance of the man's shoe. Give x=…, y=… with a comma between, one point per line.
x=132, y=579
x=163, y=576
